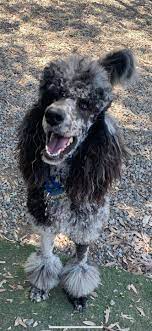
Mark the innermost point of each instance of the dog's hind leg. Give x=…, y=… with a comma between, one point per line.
x=79, y=278
x=43, y=268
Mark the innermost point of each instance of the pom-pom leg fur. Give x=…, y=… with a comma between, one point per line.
x=43, y=269
x=79, y=278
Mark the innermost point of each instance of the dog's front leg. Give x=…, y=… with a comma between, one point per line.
x=79, y=278
x=42, y=267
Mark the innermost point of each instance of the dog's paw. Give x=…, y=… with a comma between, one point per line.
x=79, y=304
x=37, y=295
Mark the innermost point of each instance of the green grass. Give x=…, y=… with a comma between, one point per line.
x=58, y=311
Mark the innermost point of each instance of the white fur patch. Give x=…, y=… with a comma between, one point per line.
x=43, y=271
x=80, y=279
x=110, y=124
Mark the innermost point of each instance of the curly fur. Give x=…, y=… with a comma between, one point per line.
x=97, y=163
x=31, y=143
x=80, y=279
x=43, y=272
x=80, y=89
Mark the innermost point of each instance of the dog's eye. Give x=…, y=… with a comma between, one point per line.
x=83, y=104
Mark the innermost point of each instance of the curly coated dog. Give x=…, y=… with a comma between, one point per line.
x=70, y=152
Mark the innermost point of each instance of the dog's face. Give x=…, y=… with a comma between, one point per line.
x=73, y=93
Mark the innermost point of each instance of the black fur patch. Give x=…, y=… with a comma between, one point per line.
x=96, y=164
x=119, y=65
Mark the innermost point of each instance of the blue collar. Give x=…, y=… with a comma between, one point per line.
x=53, y=186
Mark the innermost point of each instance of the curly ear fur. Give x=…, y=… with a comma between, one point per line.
x=31, y=143
x=119, y=65
x=96, y=164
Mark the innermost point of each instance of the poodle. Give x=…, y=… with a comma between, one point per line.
x=69, y=152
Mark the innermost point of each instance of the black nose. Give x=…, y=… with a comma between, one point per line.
x=54, y=117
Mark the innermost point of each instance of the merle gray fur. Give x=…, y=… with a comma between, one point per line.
x=74, y=98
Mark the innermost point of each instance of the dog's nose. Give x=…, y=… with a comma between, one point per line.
x=54, y=117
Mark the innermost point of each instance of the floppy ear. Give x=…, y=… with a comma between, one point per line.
x=50, y=85
x=119, y=65
x=97, y=163
x=30, y=144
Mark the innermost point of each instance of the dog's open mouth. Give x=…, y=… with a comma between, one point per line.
x=58, y=146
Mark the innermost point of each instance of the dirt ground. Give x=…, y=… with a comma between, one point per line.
x=32, y=34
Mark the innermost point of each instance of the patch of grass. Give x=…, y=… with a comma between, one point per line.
x=58, y=311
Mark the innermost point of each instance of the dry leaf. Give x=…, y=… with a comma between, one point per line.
x=2, y=290
x=89, y=323
x=107, y=313
x=3, y=282
x=8, y=275
x=127, y=317
x=113, y=325
x=19, y=287
x=141, y=311
x=118, y=327
x=13, y=286
x=92, y=297
x=112, y=302
x=146, y=220
x=9, y=300
x=132, y=287
x=138, y=300
x=29, y=321
x=16, y=287
x=35, y=324
x=19, y=321
x=94, y=294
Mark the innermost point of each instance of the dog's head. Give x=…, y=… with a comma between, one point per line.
x=73, y=93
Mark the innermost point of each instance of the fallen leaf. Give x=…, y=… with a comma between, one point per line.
x=13, y=286
x=138, y=300
x=16, y=287
x=20, y=287
x=89, y=323
x=19, y=321
x=8, y=275
x=112, y=302
x=28, y=322
x=2, y=290
x=35, y=324
x=3, y=282
x=132, y=287
x=94, y=294
x=128, y=317
x=92, y=297
x=113, y=325
x=107, y=313
x=146, y=220
x=141, y=311
x=2, y=262
x=9, y=300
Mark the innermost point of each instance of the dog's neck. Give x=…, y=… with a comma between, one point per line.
x=61, y=170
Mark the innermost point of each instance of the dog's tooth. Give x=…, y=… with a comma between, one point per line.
x=70, y=141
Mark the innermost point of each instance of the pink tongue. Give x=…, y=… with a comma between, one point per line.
x=56, y=143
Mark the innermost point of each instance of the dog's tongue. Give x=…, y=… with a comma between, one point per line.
x=56, y=143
